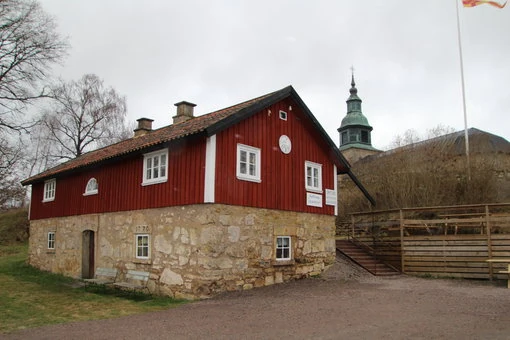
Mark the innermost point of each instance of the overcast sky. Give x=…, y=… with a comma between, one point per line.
x=219, y=53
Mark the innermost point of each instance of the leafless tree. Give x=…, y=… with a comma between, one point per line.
x=84, y=115
x=11, y=158
x=29, y=45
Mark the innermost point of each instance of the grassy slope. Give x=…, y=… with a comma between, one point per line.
x=32, y=298
x=13, y=226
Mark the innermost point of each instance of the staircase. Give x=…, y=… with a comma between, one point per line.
x=363, y=258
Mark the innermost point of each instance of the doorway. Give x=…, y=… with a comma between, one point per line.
x=87, y=258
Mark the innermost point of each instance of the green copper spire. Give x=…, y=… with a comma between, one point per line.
x=355, y=130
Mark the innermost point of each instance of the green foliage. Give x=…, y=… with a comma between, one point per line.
x=32, y=298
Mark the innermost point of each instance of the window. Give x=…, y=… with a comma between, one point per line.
x=248, y=163
x=364, y=136
x=51, y=240
x=313, y=176
x=142, y=246
x=91, y=188
x=155, y=168
x=283, y=248
x=49, y=190
x=283, y=115
x=345, y=137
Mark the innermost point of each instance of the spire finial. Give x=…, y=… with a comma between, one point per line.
x=353, y=89
x=352, y=74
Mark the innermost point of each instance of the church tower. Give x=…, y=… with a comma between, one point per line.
x=355, y=132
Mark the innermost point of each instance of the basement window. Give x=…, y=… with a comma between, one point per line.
x=51, y=240
x=283, y=248
x=142, y=246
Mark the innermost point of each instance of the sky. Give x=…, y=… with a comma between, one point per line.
x=219, y=53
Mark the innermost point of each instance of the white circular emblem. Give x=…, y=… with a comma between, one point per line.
x=285, y=144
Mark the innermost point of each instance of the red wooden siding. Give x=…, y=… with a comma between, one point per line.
x=120, y=186
x=283, y=176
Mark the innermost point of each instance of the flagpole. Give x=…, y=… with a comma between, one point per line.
x=466, y=136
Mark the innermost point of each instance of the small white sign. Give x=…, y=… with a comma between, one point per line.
x=331, y=197
x=314, y=200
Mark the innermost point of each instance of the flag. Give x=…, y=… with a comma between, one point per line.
x=473, y=3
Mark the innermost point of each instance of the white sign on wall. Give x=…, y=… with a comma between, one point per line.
x=313, y=200
x=331, y=197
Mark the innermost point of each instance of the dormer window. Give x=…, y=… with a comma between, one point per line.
x=91, y=188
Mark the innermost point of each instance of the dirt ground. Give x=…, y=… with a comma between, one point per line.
x=345, y=303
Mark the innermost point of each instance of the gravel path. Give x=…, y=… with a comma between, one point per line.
x=345, y=303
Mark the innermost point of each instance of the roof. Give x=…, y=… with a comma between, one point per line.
x=206, y=125
x=354, y=119
x=453, y=144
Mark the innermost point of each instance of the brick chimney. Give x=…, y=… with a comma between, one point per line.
x=184, y=112
x=144, y=126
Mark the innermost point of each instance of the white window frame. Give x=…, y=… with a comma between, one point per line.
x=283, y=115
x=316, y=172
x=140, y=247
x=280, y=247
x=160, y=170
x=50, y=189
x=51, y=240
x=91, y=188
x=255, y=177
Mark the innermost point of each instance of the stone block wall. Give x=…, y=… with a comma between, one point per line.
x=196, y=251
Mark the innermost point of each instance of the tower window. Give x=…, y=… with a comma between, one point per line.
x=345, y=137
x=364, y=136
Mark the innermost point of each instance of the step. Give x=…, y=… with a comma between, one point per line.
x=364, y=259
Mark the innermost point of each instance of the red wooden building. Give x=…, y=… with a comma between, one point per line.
x=254, y=185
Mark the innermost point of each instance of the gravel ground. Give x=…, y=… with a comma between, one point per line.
x=345, y=303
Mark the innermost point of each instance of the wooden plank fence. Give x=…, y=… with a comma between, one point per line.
x=452, y=241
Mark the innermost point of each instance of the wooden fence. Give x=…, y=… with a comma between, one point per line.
x=452, y=241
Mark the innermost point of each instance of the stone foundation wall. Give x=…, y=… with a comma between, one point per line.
x=196, y=251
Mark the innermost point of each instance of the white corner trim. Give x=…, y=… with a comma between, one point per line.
x=210, y=169
x=335, y=181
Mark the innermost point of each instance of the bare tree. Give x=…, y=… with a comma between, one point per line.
x=11, y=159
x=29, y=45
x=439, y=130
x=410, y=136
x=84, y=115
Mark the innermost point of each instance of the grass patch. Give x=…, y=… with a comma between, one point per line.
x=32, y=298
x=13, y=226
